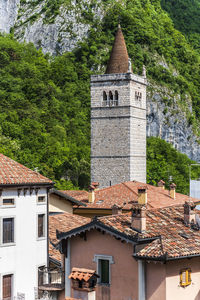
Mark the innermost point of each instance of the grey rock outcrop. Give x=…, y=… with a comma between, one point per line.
x=8, y=14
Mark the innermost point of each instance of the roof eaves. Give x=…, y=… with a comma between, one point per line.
x=96, y=224
x=46, y=184
x=67, y=197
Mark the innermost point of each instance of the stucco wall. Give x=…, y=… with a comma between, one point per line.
x=155, y=281
x=23, y=258
x=58, y=204
x=173, y=288
x=124, y=284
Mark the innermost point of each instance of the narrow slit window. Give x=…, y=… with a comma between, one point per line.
x=41, y=199
x=41, y=225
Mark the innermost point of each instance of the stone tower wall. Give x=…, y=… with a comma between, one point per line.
x=118, y=133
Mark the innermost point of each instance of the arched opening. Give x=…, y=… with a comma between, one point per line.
x=116, y=98
x=104, y=96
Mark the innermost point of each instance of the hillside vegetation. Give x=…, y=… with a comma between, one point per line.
x=44, y=107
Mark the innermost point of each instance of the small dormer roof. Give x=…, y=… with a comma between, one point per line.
x=119, y=61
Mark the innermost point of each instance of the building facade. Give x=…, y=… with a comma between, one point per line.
x=23, y=223
x=118, y=121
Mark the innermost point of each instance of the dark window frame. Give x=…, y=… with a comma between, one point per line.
x=8, y=230
x=104, y=271
x=41, y=226
x=11, y=203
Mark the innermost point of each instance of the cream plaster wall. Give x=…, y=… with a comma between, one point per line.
x=58, y=204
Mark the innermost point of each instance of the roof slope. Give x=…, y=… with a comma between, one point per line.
x=126, y=194
x=62, y=222
x=12, y=172
x=167, y=236
x=118, y=62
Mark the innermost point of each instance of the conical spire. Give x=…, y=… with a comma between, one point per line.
x=119, y=61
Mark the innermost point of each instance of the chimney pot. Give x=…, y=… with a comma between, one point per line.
x=161, y=184
x=142, y=194
x=189, y=213
x=116, y=209
x=172, y=191
x=92, y=189
x=138, y=218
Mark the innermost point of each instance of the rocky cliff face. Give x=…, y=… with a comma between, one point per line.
x=56, y=33
x=170, y=124
x=8, y=14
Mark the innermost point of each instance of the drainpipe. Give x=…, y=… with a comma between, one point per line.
x=68, y=270
x=141, y=280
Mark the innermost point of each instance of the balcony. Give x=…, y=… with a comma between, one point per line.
x=51, y=279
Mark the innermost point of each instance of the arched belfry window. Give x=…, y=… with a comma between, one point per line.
x=110, y=95
x=116, y=98
x=104, y=96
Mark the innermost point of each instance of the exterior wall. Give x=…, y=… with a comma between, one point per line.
x=118, y=133
x=124, y=270
x=58, y=204
x=155, y=281
x=173, y=288
x=23, y=258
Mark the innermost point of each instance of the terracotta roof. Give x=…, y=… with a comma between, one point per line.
x=67, y=197
x=126, y=193
x=118, y=62
x=166, y=234
x=11, y=172
x=78, y=195
x=62, y=222
x=173, y=238
x=82, y=274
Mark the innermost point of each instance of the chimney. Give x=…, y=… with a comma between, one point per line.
x=189, y=213
x=142, y=195
x=161, y=184
x=92, y=188
x=172, y=190
x=138, y=218
x=116, y=210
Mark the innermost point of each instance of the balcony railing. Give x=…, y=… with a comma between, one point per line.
x=51, y=279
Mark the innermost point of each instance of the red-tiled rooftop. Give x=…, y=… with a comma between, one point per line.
x=175, y=239
x=12, y=172
x=126, y=193
x=166, y=234
x=62, y=222
x=82, y=274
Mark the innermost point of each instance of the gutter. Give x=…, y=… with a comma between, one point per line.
x=165, y=257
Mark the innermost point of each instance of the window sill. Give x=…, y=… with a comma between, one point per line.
x=8, y=244
x=103, y=284
x=8, y=206
x=41, y=203
x=41, y=238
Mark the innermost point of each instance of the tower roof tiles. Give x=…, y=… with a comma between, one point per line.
x=118, y=62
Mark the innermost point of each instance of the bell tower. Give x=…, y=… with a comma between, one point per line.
x=118, y=120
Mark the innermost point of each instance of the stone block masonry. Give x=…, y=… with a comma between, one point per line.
x=118, y=128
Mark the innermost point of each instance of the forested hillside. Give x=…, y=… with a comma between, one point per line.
x=45, y=100
x=186, y=17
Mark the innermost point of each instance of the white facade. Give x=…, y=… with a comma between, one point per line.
x=22, y=258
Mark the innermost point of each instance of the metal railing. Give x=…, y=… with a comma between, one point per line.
x=51, y=279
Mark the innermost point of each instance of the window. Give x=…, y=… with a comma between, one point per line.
x=8, y=230
x=41, y=199
x=185, y=277
x=8, y=201
x=41, y=225
x=7, y=287
x=104, y=268
x=104, y=271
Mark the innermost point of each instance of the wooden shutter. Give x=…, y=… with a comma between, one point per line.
x=7, y=287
